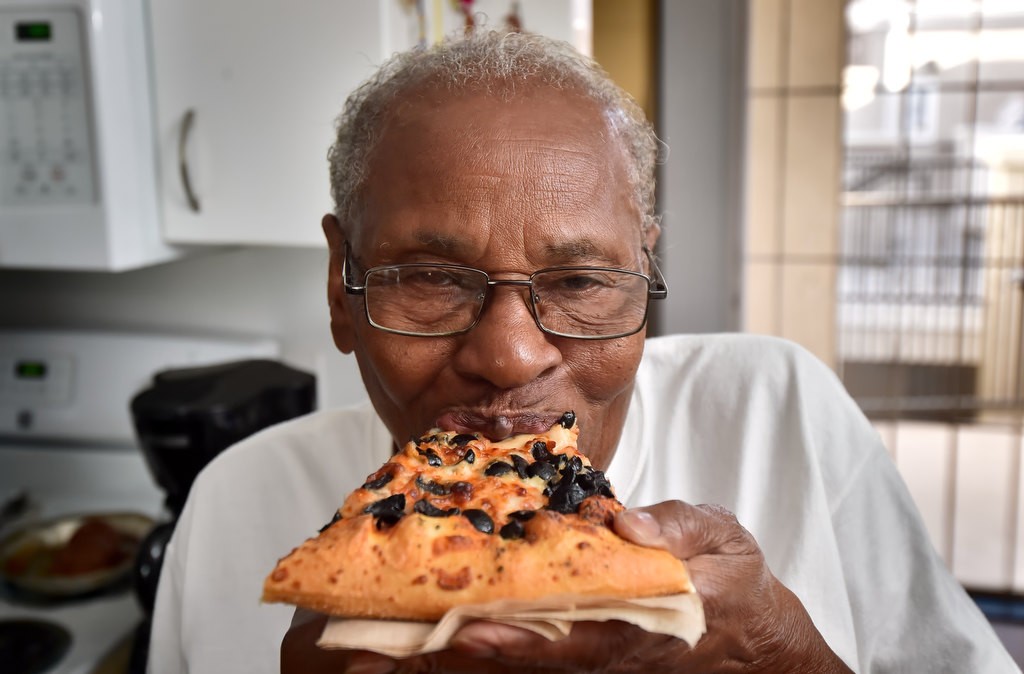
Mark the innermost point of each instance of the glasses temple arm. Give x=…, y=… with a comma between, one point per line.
x=350, y=287
x=658, y=289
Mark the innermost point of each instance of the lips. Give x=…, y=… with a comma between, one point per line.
x=497, y=426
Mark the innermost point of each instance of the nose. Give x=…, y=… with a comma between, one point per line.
x=506, y=348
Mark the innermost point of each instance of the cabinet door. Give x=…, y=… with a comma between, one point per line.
x=262, y=81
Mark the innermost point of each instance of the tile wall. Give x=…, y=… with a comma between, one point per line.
x=795, y=59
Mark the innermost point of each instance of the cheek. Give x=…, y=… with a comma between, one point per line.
x=603, y=377
x=401, y=369
x=603, y=370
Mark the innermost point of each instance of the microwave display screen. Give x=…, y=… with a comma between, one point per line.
x=37, y=31
x=30, y=369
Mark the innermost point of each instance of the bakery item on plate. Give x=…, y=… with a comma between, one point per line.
x=454, y=519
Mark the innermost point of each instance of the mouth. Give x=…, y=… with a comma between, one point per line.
x=496, y=426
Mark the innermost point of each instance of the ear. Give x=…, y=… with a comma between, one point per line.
x=651, y=235
x=342, y=323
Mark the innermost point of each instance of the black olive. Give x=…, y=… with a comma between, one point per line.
x=542, y=469
x=522, y=466
x=392, y=504
x=432, y=458
x=462, y=438
x=568, y=419
x=567, y=497
x=523, y=515
x=512, y=530
x=479, y=519
x=601, y=484
x=379, y=482
x=337, y=516
x=425, y=507
x=586, y=482
x=568, y=474
x=387, y=511
x=576, y=463
x=498, y=468
x=432, y=487
x=469, y=456
x=388, y=520
x=540, y=451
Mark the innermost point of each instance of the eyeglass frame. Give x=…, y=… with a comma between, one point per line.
x=657, y=289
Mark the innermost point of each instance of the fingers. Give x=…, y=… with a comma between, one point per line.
x=300, y=654
x=686, y=530
x=590, y=646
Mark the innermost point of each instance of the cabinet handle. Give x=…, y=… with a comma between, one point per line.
x=186, y=128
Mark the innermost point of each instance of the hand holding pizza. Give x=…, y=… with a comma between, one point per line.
x=754, y=622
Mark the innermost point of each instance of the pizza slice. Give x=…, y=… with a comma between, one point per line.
x=455, y=519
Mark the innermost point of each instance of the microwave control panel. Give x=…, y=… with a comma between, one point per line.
x=46, y=149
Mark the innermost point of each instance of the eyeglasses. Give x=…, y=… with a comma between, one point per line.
x=438, y=300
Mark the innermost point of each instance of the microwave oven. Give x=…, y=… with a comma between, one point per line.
x=78, y=156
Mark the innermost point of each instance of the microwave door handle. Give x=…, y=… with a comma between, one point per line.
x=186, y=182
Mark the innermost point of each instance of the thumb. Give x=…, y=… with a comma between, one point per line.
x=685, y=530
x=639, y=526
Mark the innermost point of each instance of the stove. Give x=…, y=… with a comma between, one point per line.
x=67, y=444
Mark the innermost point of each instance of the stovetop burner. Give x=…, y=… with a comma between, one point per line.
x=32, y=646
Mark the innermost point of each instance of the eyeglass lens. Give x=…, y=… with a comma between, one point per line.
x=435, y=300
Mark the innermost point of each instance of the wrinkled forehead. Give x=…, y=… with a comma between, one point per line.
x=517, y=174
x=543, y=152
x=518, y=105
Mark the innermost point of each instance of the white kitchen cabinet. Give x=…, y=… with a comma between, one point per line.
x=261, y=82
x=246, y=93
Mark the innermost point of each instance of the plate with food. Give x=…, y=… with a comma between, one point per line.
x=74, y=554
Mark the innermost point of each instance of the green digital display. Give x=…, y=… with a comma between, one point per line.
x=36, y=31
x=30, y=369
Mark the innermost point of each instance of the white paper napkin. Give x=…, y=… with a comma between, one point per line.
x=680, y=615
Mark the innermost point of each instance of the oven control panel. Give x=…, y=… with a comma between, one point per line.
x=77, y=386
x=45, y=379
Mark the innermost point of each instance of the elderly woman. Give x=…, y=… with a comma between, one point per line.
x=511, y=157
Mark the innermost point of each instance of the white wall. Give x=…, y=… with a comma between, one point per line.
x=699, y=192
x=276, y=292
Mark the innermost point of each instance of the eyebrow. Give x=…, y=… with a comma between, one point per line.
x=561, y=252
x=576, y=251
x=441, y=243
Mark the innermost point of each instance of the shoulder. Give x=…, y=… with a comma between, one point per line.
x=729, y=361
x=709, y=405
x=313, y=437
x=317, y=456
x=287, y=477
x=745, y=347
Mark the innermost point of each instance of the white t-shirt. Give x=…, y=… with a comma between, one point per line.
x=752, y=423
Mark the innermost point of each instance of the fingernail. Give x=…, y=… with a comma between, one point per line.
x=372, y=666
x=643, y=524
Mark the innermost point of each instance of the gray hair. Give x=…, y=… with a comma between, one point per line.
x=494, y=63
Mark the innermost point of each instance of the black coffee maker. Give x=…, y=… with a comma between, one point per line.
x=185, y=419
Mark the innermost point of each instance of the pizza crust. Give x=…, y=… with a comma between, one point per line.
x=423, y=566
